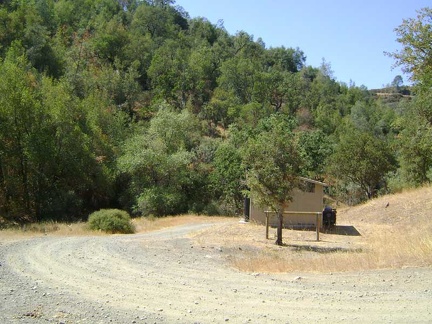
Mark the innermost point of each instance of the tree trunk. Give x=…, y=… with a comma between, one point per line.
x=279, y=228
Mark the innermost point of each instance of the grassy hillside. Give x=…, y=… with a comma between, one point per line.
x=409, y=208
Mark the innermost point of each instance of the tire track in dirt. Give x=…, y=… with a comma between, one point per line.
x=165, y=275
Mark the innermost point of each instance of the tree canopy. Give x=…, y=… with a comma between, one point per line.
x=138, y=106
x=273, y=163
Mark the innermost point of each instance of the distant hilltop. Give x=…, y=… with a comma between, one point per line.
x=393, y=94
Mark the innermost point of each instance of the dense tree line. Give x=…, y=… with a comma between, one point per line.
x=135, y=105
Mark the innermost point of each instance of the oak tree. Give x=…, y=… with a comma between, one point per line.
x=273, y=163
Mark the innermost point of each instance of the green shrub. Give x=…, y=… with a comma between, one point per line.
x=111, y=221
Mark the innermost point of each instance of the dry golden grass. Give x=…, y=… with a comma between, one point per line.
x=46, y=228
x=399, y=235
x=146, y=224
x=142, y=225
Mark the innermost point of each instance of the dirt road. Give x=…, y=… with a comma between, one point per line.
x=164, y=277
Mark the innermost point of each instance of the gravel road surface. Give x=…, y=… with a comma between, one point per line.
x=164, y=277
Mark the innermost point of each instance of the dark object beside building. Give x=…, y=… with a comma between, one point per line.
x=329, y=217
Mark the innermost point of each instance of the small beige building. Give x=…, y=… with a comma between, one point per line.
x=301, y=212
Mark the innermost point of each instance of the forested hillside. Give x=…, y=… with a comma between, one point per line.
x=135, y=105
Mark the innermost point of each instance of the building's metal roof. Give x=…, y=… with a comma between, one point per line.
x=314, y=181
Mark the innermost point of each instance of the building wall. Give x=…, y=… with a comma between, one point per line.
x=303, y=201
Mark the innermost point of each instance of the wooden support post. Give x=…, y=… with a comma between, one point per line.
x=267, y=225
x=317, y=222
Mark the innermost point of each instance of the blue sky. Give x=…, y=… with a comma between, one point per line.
x=350, y=35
